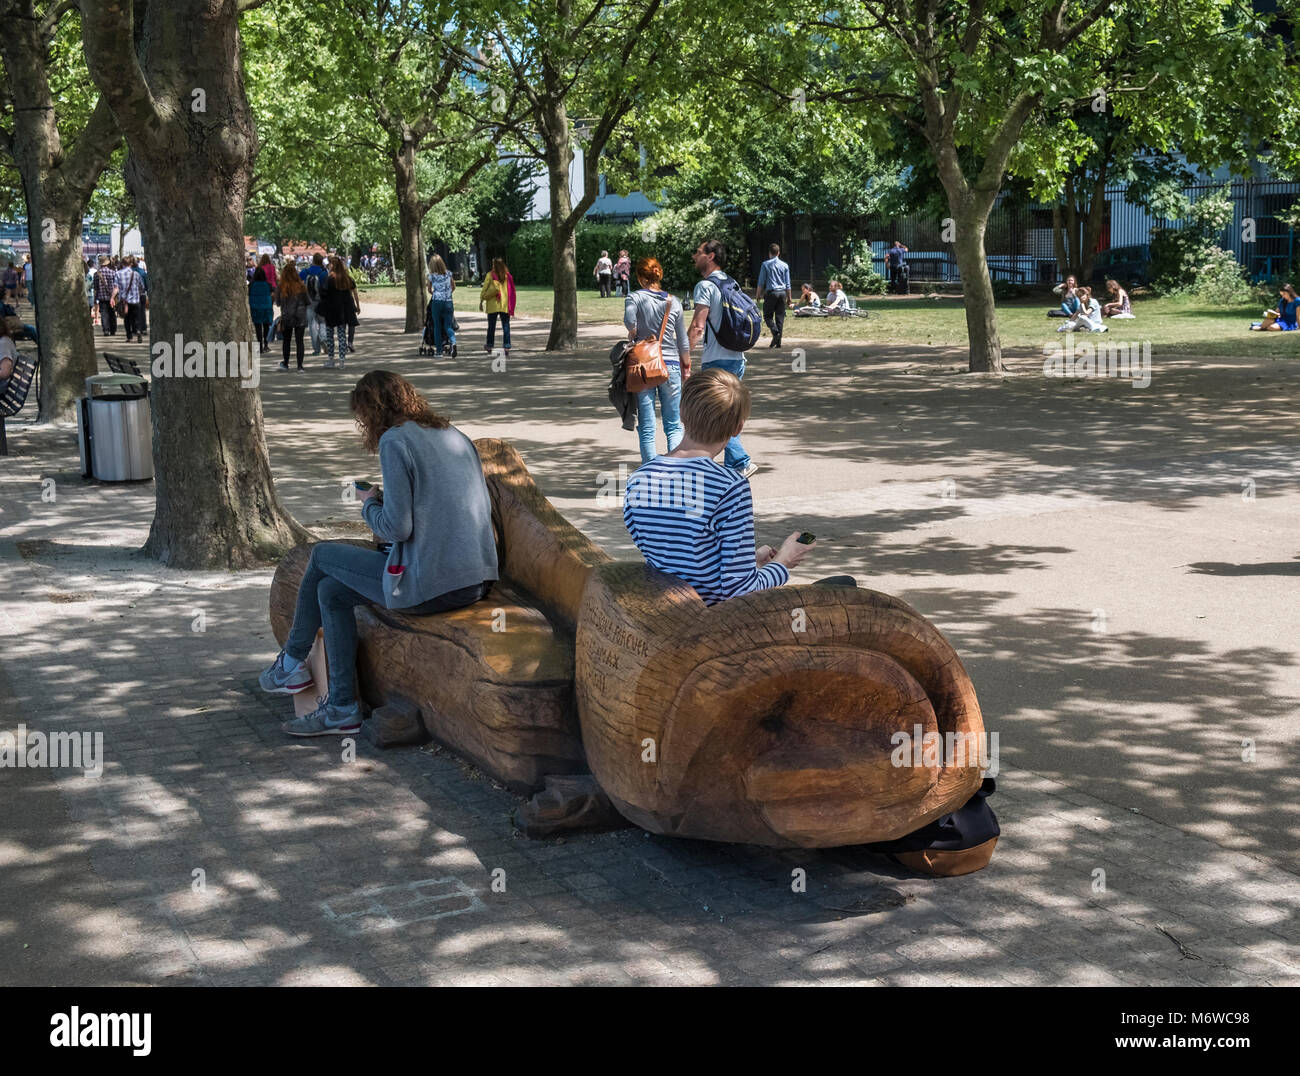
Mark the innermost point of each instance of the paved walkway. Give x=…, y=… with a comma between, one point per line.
x=1126, y=614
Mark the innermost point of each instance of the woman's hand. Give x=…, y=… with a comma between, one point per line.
x=366, y=494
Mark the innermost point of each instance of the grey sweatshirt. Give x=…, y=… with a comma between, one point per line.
x=436, y=512
x=643, y=310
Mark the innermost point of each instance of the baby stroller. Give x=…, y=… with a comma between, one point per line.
x=427, y=345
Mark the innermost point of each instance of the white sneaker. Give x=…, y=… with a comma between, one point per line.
x=328, y=364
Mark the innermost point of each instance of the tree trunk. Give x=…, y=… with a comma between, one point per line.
x=216, y=503
x=56, y=186
x=408, y=212
x=977, y=291
x=67, y=336
x=564, y=247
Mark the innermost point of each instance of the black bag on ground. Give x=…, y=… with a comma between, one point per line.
x=956, y=843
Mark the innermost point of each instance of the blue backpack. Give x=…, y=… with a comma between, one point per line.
x=741, y=323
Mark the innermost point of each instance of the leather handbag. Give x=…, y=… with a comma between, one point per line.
x=645, y=360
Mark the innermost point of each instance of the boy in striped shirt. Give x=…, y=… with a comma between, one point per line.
x=693, y=518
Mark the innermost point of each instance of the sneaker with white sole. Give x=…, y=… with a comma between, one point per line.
x=326, y=720
x=285, y=676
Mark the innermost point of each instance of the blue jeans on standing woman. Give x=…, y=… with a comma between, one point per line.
x=339, y=577
x=735, y=456
x=492, y=329
x=444, y=317
x=669, y=395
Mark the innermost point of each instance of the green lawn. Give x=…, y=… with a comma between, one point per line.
x=1174, y=326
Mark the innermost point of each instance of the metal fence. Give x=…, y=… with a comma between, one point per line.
x=1019, y=243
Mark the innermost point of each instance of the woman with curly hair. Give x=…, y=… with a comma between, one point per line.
x=433, y=508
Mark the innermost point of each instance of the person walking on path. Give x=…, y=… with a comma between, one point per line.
x=104, y=287
x=11, y=278
x=710, y=262
x=313, y=278
x=604, y=273
x=442, y=307
x=643, y=314
x=292, y=297
x=433, y=508
x=25, y=287
x=268, y=268
x=128, y=289
x=259, y=306
x=499, y=296
x=339, y=305
x=622, y=271
x=774, y=293
x=895, y=259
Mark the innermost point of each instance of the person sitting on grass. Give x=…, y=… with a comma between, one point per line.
x=1283, y=319
x=809, y=304
x=691, y=517
x=1119, y=306
x=1068, y=290
x=1088, y=319
x=837, y=302
x=436, y=512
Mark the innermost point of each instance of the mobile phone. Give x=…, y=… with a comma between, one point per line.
x=360, y=484
x=806, y=538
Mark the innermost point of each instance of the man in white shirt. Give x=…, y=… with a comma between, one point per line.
x=836, y=300
x=710, y=262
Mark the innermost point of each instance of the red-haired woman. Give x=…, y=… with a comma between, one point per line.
x=643, y=314
x=499, y=295
x=434, y=509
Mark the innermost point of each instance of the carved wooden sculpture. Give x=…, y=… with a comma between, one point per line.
x=768, y=719
x=732, y=724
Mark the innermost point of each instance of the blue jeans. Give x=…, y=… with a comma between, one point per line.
x=1070, y=307
x=339, y=577
x=669, y=395
x=735, y=456
x=492, y=329
x=444, y=315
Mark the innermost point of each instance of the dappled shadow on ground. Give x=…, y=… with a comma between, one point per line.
x=292, y=840
x=316, y=868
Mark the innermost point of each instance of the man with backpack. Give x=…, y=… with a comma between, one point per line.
x=728, y=322
x=313, y=279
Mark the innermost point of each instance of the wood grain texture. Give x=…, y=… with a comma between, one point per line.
x=761, y=733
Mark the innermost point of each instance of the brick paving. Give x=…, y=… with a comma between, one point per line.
x=214, y=851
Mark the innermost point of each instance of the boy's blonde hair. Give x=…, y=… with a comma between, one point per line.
x=714, y=406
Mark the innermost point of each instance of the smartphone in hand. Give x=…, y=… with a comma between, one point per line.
x=806, y=538
x=362, y=484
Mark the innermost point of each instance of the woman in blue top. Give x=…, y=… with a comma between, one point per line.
x=441, y=307
x=259, y=305
x=643, y=313
x=1283, y=319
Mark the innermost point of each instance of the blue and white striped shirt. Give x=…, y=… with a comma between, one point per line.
x=694, y=519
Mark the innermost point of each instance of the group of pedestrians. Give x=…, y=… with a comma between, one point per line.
x=644, y=312
x=497, y=297
x=321, y=302
x=613, y=277
x=17, y=281
x=118, y=288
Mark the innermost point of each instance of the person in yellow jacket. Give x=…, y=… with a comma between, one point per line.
x=499, y=295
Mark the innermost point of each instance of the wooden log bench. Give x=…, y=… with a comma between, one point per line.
x=493, y=681
x=768, y=719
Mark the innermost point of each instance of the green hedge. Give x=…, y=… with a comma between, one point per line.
x=669, y=235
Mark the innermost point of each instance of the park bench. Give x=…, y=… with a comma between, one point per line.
x=493, y=681
x=120, y=364
x=15, y=394
x=767, y=719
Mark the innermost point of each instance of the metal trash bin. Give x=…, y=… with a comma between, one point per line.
x=113, y=429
